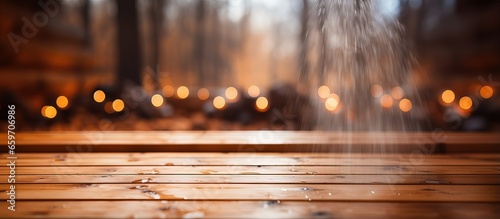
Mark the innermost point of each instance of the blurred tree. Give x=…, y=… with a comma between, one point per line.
x=157, y=13
x=129, y=56
x=304, y=44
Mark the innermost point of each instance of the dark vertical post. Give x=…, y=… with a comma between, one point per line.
x=323, y=39
x=129, y=58
x=157, y=7
x=199, y=44
x=86, y=22
x=304, y=44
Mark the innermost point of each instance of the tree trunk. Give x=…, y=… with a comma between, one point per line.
x=129, y=64
x=199, y=47
x=304, y=45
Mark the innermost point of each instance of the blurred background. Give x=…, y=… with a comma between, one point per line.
x=225, y=64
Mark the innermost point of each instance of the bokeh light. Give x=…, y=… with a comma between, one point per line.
x=334, y=96
x=376, y=90
x=42, y=111
x=118, y=105
x=157, y=100
x=465, y=102
x=108, y=107
x=62, y=102
x=231, y=93
x=405, y=105
x=386, y=100
x=182, y=92
x=448, y=96
x=262, y=104
x=219, y=102
x=99, y=96
x=49, y=112
x=486, y=92
x=253, y=91
x=168, y=91
x=397, y=92
x=323, y=91
x=331, y=103
x=203, y=94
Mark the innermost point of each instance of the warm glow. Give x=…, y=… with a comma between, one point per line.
x=182, y=92
x=43, y=111
x=448, y=96
x=323, y=91
x=231, y=93
x=253, y=91
x=376, y=90
x=49, y=112
x=486, y=92
x=62, y=102
x=386, y=100
x=99, y=96
x=157, y=100
x=219, y=102
x=465, y=102
x=405, y=105
x=261, y=103
x=397, y=93
x=118, y=105
x=334, y=96
x=203, y=94
x=168, y=91
x=331, y=103
x=108, y=107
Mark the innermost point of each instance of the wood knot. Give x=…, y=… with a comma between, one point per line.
x=321, y=214
x=271, y=203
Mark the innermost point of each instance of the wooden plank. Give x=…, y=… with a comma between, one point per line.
x=225, y=161
x=249, y=209
x=249, y=141
x=256, y=170
x=262, y=179
x=246, y=137
x=317, y=192
x=305, y=148
x=150, y=155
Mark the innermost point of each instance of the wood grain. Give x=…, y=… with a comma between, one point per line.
x=222, y=191
x=251, y=209
x=227, y=161
x=151, y=155
x=248, y=137
x=80, y=182
x=256, y=170
x=262, y=179
x=252, y=141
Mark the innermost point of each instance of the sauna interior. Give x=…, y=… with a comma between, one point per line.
x=250, y=109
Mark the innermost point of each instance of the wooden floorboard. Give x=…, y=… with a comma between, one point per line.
x=258, y=170
x=85, y=184
x=251, y=209
x=262, y=179
x=247, y=137
x=149, y=155
x=223, y=191
x=228, y=161
x=254, y=141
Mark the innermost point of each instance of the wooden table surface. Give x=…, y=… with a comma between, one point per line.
x=254, y=141
x=252, y=185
